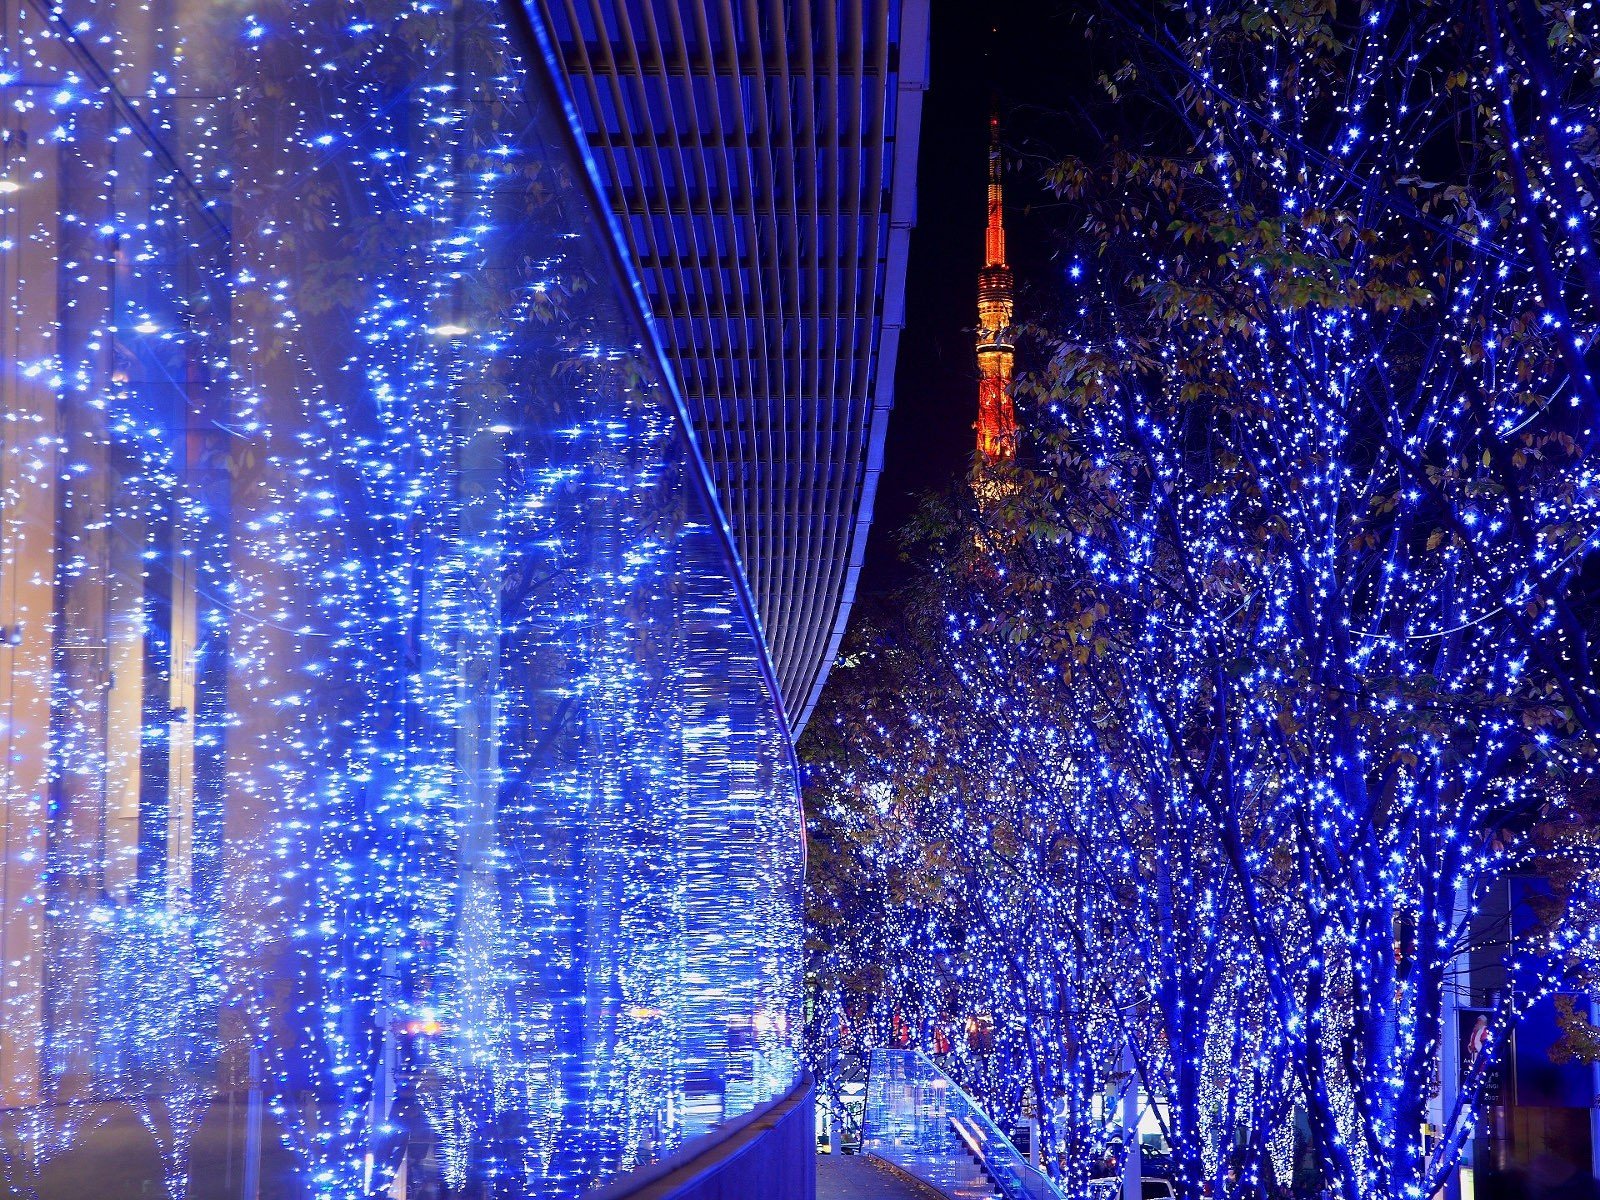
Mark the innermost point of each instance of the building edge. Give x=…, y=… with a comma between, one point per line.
x=526, y=27
x=913, y=82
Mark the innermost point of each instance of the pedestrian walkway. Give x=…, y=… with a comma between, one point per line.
x=862, y=1177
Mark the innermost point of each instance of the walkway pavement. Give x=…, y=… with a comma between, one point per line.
x=862, y=1177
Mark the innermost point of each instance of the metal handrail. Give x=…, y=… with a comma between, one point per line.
x=919, y=1119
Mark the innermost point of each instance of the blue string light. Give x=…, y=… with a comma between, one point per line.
x=409, y=773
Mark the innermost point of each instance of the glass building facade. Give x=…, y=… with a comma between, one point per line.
x=397, y=799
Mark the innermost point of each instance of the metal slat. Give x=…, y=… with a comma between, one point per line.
x=859, y=309
x=754, y=198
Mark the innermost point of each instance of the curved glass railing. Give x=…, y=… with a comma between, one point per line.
x=920, y=1120
x=397, y=802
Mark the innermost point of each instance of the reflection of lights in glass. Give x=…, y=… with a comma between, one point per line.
x=415, y=735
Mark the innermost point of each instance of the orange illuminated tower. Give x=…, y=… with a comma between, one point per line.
x=997, y=417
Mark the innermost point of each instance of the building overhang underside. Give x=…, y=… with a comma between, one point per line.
x=760, y=159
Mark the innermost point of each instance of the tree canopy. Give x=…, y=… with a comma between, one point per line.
x=1218, y=720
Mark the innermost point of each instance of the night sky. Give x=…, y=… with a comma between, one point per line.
x=1030, y=57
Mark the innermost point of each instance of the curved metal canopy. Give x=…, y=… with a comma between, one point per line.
x=760, y=156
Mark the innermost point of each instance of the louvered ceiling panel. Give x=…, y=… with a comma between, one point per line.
x=761, y=158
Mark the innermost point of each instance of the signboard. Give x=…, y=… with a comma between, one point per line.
x=1473, y=1032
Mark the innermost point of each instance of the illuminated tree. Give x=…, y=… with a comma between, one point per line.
x=954, y=893
x=1325, y=405
x=396, y=730
x=1303, y=551
x=1324, y=409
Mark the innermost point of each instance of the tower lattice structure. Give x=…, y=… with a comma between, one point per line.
x=997, y=416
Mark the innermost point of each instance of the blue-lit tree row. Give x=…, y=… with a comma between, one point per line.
x=396, y=795
x=1216, y=724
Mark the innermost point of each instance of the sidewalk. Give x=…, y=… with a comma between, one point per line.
x=858, y=1177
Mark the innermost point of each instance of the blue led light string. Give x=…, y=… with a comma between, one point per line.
x=1306, y=521
x=444, y=565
